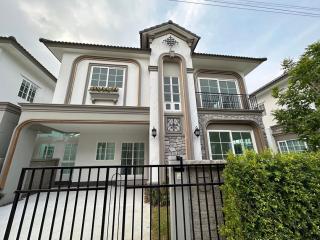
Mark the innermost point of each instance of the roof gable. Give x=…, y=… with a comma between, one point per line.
x=12, y=41
x=149, y=34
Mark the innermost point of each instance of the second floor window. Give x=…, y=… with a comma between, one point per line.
x=219, y=93
x=107, y=77
x=46, y=151
x=27, y=90
x=171, y=94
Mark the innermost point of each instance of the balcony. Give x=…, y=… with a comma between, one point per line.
x=215, y=101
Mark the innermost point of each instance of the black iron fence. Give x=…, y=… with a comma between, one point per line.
x=110, y=202
x=226, y=101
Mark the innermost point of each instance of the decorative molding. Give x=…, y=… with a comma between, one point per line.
x=9, y=107
x=22, y=125
x=77, y=108
x=153, y=68
x=190, y=70
x=173, y=124
x=170, y=41
x=212, y=71
x=125, y=67
x=99, y=58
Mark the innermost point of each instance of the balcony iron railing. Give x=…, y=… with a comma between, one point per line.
x=208, y=100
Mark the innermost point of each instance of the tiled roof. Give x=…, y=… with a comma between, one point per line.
x=230, y=56
x=78, y=44
x=28, y=55
x=167, y=23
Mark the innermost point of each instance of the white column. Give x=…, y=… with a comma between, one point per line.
x=21, y=158
x=154, y=142
x=194, y=118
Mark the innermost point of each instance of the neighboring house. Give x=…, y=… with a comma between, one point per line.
x=23, y=80
x=129, y=106
x=278, y=140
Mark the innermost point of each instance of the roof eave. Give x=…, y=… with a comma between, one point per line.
x=12, y=40
x=270, y=84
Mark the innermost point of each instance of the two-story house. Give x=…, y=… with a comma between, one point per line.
x=144, y=105
x=278, y=140
x=23, y=80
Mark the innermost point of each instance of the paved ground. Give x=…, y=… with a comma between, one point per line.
x=5, y=211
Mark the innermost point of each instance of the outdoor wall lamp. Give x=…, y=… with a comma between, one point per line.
x=154, y=132
x=197, y=132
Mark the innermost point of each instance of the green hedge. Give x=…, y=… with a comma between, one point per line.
x=270, y=196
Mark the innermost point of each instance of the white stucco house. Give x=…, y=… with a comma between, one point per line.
x=278, y=140
x=23, y=80
x=117, y=105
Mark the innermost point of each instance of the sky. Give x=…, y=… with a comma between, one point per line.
x=118, y=22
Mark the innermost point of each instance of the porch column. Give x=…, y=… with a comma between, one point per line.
x=193, y=115
x=154, y=142
x=21, y=158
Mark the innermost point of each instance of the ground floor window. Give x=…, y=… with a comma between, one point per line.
x=221, y=142
x=105, y=151
x=69, y=156
x=46, y=151
x=132, y=154
x=293, y=145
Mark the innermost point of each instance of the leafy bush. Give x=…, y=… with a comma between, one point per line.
x=272, y=196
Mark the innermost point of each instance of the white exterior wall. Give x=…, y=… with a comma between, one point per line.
x=131, y=81
x=13, y=71
x=158, y=48
x=270, y=104
x=87, y=147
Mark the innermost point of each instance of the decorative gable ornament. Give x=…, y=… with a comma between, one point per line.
x=171, y=42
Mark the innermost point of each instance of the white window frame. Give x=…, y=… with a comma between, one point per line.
x=132, y=157
x=107, y=80
x=230, y=135
x=32, y=89
x=45, y=153
x=292, y=139
x=106, y=142
x=172, y=103
x=219, y=90
x=69, y=160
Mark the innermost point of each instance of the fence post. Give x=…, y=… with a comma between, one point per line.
x=124, y=202
x=14, y=205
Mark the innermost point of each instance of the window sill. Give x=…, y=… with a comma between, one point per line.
x=104, y=96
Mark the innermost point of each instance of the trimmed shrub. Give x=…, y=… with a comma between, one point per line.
x=272, y=196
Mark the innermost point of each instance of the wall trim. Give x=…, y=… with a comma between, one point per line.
x=257, y=132
x=153, y=68
x=76, y=108
x=90, y=65
x=185, y=103
x=9, y=107
x=240, y=79
x=21, y=126
x=99, y=58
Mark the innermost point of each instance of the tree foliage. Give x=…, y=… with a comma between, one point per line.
x=272, y=196
x=300, y=112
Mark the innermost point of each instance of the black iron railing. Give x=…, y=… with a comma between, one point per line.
x=163, y=202
x=226, y=101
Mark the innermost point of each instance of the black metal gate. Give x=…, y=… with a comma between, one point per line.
x=118, y=202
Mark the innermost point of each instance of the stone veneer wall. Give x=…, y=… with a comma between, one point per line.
x=174, y=146
x=228, y=116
